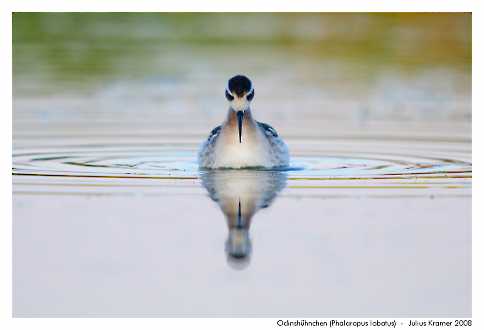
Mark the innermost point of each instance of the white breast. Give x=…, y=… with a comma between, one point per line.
x=254, y=151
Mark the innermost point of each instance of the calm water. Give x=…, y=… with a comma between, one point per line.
x=113, y=218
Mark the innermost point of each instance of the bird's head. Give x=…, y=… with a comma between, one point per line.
x=239, y=93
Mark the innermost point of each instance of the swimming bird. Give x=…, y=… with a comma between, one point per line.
x=241, y=141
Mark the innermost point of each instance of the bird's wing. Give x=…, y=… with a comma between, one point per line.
x=205, y=157
x=268, y=129
x=214, y=133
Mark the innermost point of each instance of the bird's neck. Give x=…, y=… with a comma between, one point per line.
x=232, y=117
x=230, y=129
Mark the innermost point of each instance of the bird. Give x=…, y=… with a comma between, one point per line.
x=241, y=141
x=240, y=195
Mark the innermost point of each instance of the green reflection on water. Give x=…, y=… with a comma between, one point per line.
x=85, y=46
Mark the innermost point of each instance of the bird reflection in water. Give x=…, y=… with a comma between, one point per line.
x=240, y=194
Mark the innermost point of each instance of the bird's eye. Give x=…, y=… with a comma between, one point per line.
x=228, y=96
x=250, y=96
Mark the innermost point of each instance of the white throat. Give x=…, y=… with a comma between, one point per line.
x=239, y=104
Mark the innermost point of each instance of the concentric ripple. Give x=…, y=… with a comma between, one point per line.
x=180, y=162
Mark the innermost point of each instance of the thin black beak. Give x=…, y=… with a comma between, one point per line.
x=240, y=118
x=239, y=217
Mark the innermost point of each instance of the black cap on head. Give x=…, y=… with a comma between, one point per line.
x=239, y=85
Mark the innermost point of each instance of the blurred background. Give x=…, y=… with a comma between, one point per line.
x=308, y=69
